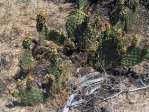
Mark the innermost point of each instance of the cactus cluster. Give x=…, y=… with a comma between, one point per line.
x=59, y=73
x=121, y=53
x=104, y=43
x=28, y=94
x=124, y=14
x=112, y=46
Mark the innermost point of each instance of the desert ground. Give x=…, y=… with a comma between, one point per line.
x=18, y=19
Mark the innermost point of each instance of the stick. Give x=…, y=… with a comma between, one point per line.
x=126, y=91
x=66, y=108
x=3, y=80
x=86, y=77
x=91, y=81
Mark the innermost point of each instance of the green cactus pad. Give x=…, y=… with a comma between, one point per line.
x=81, y=3
x=130, y=20
x=133, y=56
x=31, y=97
x=42, y=36
x=109, y=51
x=74, y=19
x=26, y=60
x=85, y=37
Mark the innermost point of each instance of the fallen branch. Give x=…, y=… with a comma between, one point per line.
x=66, y=108
x=88, y=76
x=125, y=91
x=88, y=89
x=89, y=82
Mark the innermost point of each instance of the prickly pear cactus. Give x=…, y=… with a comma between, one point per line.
x=81, y=3
x=42, y=36
x=57, y=37
x=40, y=20
x=74, y=19
x=26, y=64
x=85, y=37
x=124, y=14
x=59, y=72
x=27, y=55
x=32, y=97
x=28, y=94
x=113, y=45
x=130, y=19
x=133, y=56
x=109, y=54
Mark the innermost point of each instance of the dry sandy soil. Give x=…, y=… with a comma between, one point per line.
x=17, y=19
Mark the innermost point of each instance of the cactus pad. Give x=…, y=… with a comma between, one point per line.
x=26, y=64
x=85, y=37
x=81, y=3
x=31, y=97
x=133, y=56
x=75, y=18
